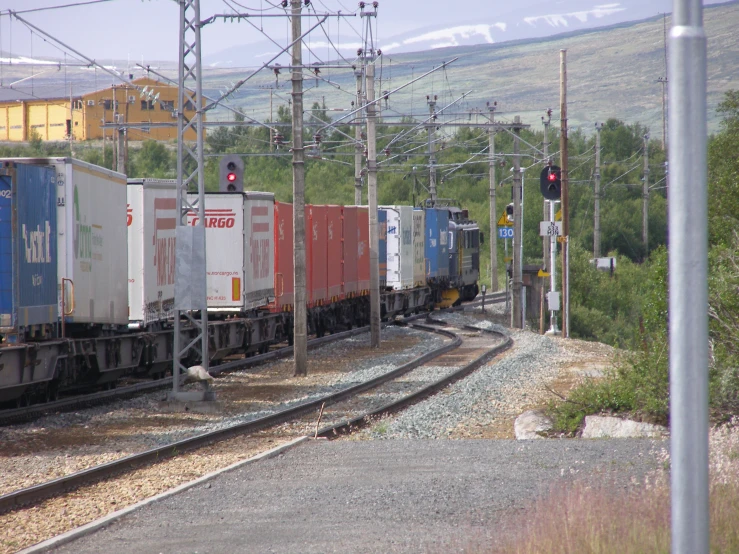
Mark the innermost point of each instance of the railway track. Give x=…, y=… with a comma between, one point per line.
x=349, y=409
x=28, y=413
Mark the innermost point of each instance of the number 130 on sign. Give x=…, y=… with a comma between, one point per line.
x=505, y=232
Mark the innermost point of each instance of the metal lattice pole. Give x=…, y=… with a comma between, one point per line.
x=190, y=279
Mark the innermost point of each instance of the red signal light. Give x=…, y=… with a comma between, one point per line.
x=552, y=176
x=231, y=177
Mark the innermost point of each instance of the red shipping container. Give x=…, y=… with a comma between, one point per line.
x=284, y=273
x=334, y=262
x=363, y=251
x=317, y=258
x=349, y=241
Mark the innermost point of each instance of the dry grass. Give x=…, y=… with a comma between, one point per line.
x=579, y=518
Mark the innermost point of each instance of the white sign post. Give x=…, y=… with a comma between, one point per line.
x=550, y=228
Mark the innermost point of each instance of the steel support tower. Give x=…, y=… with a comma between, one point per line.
x=190, y=274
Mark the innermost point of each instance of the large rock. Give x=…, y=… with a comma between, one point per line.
x=529, y=424
x=598, y=427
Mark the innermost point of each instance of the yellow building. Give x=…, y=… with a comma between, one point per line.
x=53, y=118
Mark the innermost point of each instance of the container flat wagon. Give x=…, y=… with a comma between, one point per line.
x=87, y=272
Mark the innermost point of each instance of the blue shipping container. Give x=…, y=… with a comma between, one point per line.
x=28, y=261
x=382, y=248
x=442, y=219
x=432, y=244
x=437, y=243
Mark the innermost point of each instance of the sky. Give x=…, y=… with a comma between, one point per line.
x=147, y=30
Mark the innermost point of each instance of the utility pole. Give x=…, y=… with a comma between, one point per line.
x=121, y=160
x=517, y=308
x=565, y=194
x=664, y=114
x=546, y=240
x=271, y=120
x=300, y=322
x=358, y=148
x=645, y=199
x=432, y=158
x=372, y=202
x=596, y=210
x=493, y=207
x=71, y=122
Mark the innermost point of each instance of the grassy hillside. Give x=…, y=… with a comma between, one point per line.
x=612, y=72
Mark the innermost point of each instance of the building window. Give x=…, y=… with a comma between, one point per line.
x=167, y=105
x=147, y=105
x=107, y=104
x=189, y=106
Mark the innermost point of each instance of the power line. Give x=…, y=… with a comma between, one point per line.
x=76, y=4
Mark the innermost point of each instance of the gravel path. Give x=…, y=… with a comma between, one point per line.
x=367, y=497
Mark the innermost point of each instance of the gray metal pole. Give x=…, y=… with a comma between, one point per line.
x=121, y=158
x=200, y=158
x=432, y=158
x=372, y=201
x=517, y=315
x=645, y=199
x=358, y=149
x=565, y=194
x=688, y=274
x=300, y=323
x=552, y=273
x=493, y=208
x=596, y=210
x=545, y=241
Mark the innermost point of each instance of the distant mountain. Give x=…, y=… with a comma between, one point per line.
x=520, y=20
x=612, y=72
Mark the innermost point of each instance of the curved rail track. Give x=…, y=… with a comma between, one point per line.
x=17, y=415
x=448, y=354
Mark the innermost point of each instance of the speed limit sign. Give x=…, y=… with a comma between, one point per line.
x=505, y=232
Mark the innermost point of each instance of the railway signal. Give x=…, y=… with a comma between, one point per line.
x=509, y=212
x=231, y=173
x=550, y=182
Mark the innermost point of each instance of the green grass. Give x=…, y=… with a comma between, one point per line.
x=577, y=518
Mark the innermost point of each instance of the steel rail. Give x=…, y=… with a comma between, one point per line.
x=350, y=425
x=22, y=497
x=27, y=413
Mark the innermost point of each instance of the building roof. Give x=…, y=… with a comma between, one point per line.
x=48, y=89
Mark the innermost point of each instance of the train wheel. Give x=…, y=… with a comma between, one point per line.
x=23, y=400
x=51, y=393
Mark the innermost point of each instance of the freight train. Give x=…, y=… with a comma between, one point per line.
x=87, y=272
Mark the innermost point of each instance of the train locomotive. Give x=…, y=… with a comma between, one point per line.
x=87, y=272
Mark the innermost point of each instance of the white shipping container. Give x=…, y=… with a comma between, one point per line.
x=399, y=246
x=239, y=249
x=152, y=218
x=419, y=251
x=91, y=237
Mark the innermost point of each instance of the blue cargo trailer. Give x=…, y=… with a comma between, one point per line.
x=437, y=249
x=28, y=252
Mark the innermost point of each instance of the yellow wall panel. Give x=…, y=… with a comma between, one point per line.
x=4, y=126
x=16, y=122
